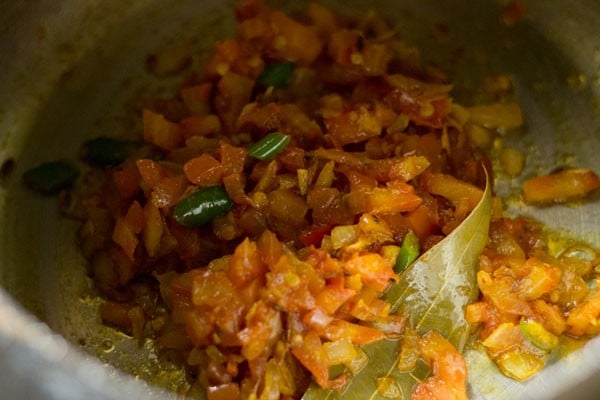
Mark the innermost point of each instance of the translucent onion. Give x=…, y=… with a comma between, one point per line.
x=344, y=235
x=340, y=351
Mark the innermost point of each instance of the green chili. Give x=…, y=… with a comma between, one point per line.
x=269, y=146
x=409, y=251
x=203, y=206
x=277, y=75
x=50, y=177
x=104, y=151
x=538, y=335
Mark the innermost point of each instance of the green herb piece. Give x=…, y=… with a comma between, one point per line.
x=203, y=206
x=104, y=151
x=277, y=75
x=50, y=177
x=538, y=335
x=409, y=251
x=269, y=146
x=432, y=292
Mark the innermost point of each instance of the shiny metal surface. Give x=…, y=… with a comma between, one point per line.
x=73, y=69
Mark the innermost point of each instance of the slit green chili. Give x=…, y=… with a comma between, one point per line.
x=203, y=206
x=50, y=177
x=104, y=151
x=538, y=335
x=277, y=74
x=269, y=146
x=409, y=252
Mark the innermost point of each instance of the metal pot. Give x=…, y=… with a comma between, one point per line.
x=70, y=70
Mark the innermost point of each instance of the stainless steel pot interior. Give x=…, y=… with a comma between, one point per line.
x=72, y=70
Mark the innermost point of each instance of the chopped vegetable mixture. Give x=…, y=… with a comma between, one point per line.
x=309, y=163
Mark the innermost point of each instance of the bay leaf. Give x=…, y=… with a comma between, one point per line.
x=433, y=292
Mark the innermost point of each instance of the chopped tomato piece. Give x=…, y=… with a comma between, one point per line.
x=127, y=180
x=226, y=391
x=353, y=126
x=313, y=356
x=245, y=264
x=263, y=328
x=152, y=173
x=294, y=41
x=314, y=235
x=203, y=170
x=583, y=319
x=358, y=334
x=561, y=186
x=449, y=370
x=161, y=132
x=373, y=269
x=452, y=189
